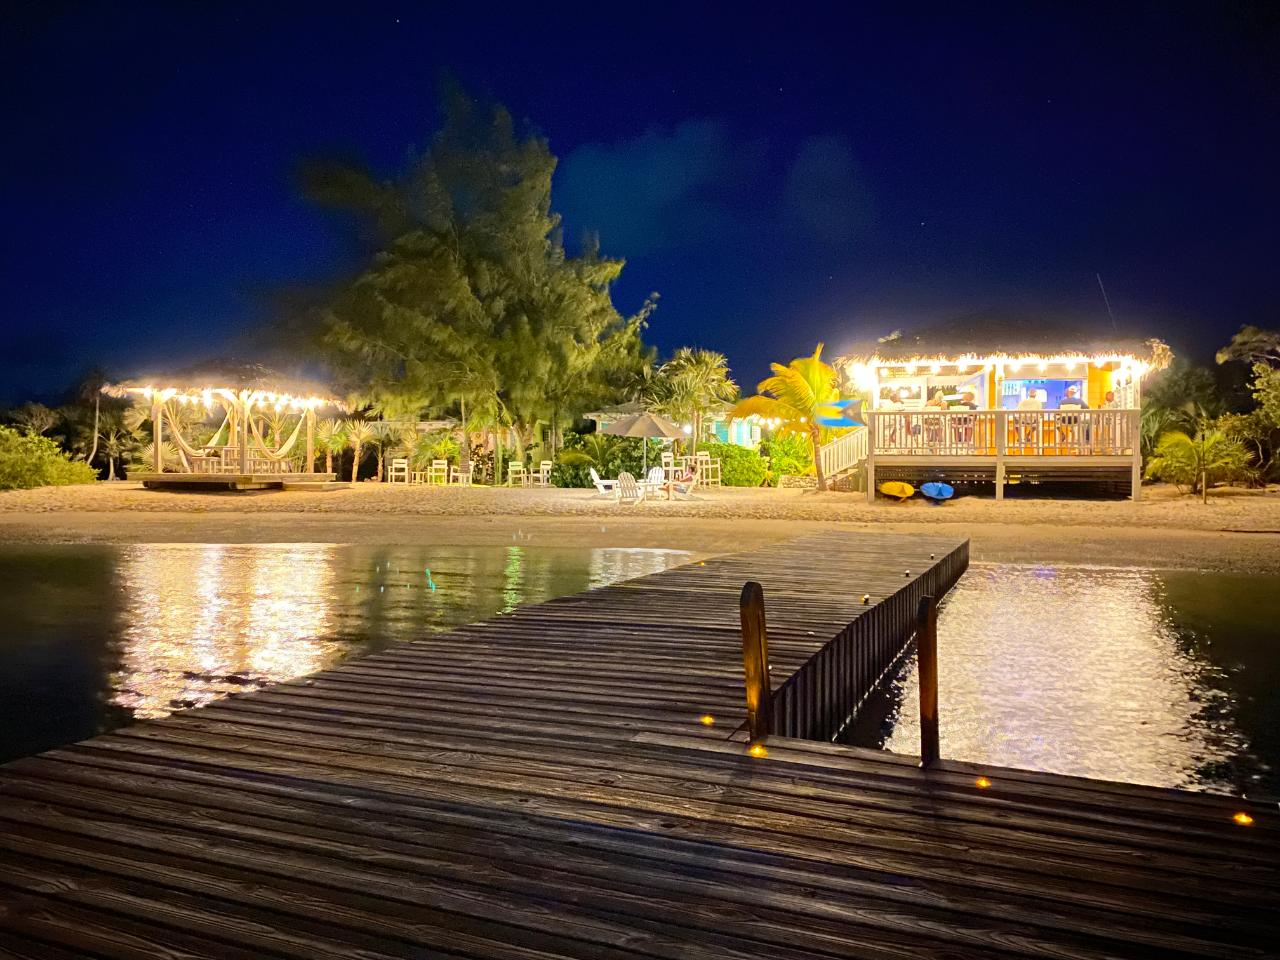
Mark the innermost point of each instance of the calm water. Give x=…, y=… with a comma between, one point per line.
x=1159, y=677
x=94, y=636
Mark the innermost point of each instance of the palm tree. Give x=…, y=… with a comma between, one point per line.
x=794, y=395
x=330, y=439
x=1199, y=462
x=358, y=433
x=384, y=435
x=115, y=443
x=691, y=384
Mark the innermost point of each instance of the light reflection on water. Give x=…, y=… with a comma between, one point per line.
x=95, y=636
x=1146, y=676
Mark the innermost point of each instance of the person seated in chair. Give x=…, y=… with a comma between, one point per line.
x=1073, y=400
x=683, y=482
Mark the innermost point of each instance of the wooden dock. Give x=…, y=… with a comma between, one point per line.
x=544, y=785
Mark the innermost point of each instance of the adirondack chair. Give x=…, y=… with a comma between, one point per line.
x=398, y=470
x=627, y=490
x=439, y=472
x=604, y=487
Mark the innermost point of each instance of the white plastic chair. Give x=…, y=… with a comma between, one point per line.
x=439, y=472
x=542, y=476
x=461, y=474
x=516, y=475
x=398, y=470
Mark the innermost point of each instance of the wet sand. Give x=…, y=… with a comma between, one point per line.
x=1237, y=530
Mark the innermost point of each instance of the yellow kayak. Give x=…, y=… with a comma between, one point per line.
x=897, y=489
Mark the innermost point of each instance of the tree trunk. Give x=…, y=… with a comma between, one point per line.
x=814, y=438
x=355, y=461
x=328, y=461
x=379, y=461
x=1204, y=486
x=93, y=450
x=111, y=468
x=465, y=457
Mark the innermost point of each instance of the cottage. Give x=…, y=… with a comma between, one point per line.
x=997, y=399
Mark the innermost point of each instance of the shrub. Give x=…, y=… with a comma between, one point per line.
x=739, y=466
x=1199, y=462
x=788, y=456
x=35, y=461
x=608, y=454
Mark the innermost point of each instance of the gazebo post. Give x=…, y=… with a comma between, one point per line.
x=246, y=428
x=311, y=440
x=157, y=435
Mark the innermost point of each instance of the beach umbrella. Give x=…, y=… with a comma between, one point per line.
x=644, y=425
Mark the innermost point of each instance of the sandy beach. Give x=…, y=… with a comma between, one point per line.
x=1236, y=530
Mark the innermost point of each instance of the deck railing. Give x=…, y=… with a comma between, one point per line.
x=1007, y=433
x=844, y=452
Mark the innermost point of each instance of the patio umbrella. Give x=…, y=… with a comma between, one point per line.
x=644, y=425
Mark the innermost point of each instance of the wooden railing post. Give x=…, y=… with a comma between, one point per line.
x=927, y=656
x=755, y=660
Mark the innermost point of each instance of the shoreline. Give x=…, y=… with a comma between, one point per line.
x=1235, y=534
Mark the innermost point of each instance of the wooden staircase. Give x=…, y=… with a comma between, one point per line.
x=843, y=458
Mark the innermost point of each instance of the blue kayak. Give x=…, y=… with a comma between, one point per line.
x=937, y=491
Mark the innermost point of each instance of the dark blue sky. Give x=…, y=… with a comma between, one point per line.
x=804, y=173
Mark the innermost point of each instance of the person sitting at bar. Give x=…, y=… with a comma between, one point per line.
x=1109, y=401
x=966, y=402
x=1031, y=401
x=933, y=425
x=1073, y=400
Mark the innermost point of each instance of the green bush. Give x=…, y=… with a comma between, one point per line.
x=739, y=466
x=1199, y=462
x=608, y=454
x=27, y=462
x=789, y=456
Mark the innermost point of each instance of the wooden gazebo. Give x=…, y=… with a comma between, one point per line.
x=248, y=402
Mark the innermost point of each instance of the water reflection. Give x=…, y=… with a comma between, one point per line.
x=96, y=636
x=1104, y=672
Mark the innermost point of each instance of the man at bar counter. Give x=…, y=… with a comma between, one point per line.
x=1073, y=400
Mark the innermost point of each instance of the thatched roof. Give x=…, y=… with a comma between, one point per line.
x=226, y=375
x=1001, y=334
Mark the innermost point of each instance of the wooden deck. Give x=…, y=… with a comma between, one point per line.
x=542, y=786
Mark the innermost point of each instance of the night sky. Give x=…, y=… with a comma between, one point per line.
x=801, y=174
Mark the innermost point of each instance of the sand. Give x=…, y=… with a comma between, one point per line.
x=1236, y=530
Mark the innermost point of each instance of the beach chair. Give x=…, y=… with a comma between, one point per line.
x=684, y=489
x=627, y=490
x=398, y=470
x=439, y=472
x=603, y=487
x=542, y=476
x=461, y=474
x=517, y=476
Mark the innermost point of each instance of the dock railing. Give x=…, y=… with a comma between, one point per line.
x=824, y=695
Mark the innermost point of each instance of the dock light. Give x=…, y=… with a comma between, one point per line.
x=707, y=720
x=982, y=783
x=758, y=750
x=866, y=598
x=906, y=573
x=1243, y=819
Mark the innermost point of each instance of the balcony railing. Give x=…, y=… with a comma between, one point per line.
x=1005, y=433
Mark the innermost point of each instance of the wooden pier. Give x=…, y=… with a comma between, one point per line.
x=571, y=781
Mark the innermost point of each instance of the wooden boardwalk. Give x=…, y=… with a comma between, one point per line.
x=542, y=786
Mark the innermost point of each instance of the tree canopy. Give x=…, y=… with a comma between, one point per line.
x=471, y=299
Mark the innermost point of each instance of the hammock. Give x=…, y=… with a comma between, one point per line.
x=283, y=452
